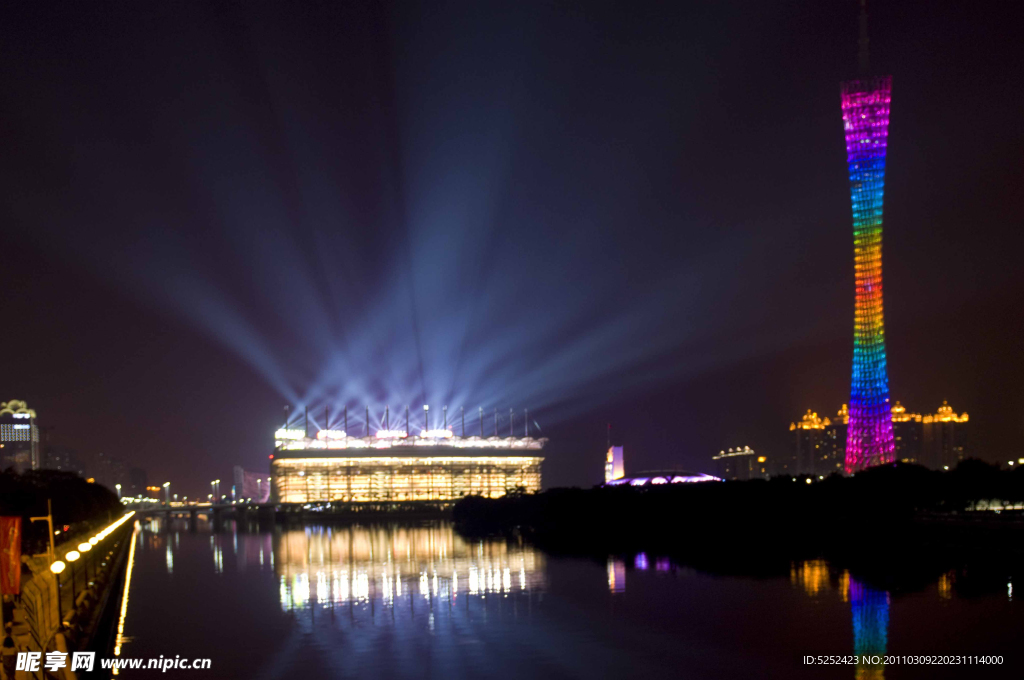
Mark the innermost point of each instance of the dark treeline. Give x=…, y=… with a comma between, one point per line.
x=76, y=503
x=898, y=526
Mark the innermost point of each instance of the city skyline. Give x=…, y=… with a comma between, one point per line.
x=575, y=244
x=412, y=339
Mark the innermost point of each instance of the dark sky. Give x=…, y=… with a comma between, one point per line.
x=634, y=213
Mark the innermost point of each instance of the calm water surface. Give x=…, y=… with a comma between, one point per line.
x=416, y=600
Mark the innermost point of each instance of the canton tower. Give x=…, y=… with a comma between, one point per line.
x=865, y=104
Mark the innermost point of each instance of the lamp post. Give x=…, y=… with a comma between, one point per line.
x=167, y=493
x=118, y=487
x=93, y=541
x=84, y=548
x=56, y=567
x=72, y=557
x=48, y=518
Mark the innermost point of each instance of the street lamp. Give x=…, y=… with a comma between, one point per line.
x=118, y=487
x=72, y=557
x=84, y=548
x=56, y=567
x=167, y=493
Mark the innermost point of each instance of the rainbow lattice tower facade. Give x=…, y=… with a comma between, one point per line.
x=869, y=439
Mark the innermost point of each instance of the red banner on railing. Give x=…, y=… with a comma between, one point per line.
x=10, y=555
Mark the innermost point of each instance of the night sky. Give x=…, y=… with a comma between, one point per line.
x=633, y=213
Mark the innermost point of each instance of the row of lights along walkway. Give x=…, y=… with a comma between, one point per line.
x=58, y=566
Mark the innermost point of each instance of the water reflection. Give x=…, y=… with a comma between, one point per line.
x=411, y=600
x=616, y=575
x=869, y=608
x=870, y=628
x=812, y=576
x=218, y=553
x=946, y=582
x=324, y=566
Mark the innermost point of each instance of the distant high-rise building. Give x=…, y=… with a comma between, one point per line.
x=62, y=458
x=110, y=472
x=835, y=440
x=944, y=438
x=865, y=106
x=810, y=453
x=614, y=464
x=906, y=434
x=741, y=464
x=19, y=437
x=936, y=441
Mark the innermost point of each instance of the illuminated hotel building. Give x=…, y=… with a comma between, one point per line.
x=906, y=434
x=813, y=451
x=19, y=437
x=943, y=438
x=936, y=441
x=835, y=439
x=395, y=466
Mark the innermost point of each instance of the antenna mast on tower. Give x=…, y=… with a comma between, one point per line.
x=863, y=60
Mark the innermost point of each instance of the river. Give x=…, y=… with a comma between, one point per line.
x=413, y=600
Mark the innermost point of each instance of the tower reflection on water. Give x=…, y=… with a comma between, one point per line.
x=869, y=607
x=393, y=566
x=870, y=627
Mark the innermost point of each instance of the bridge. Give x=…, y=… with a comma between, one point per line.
x=285, y=512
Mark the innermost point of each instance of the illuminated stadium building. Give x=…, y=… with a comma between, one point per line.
x=398, y=466
x=657, y=477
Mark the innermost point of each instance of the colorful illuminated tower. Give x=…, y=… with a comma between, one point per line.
x=865, y=103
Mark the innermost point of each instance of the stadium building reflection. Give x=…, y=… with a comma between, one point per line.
x=397, y=565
